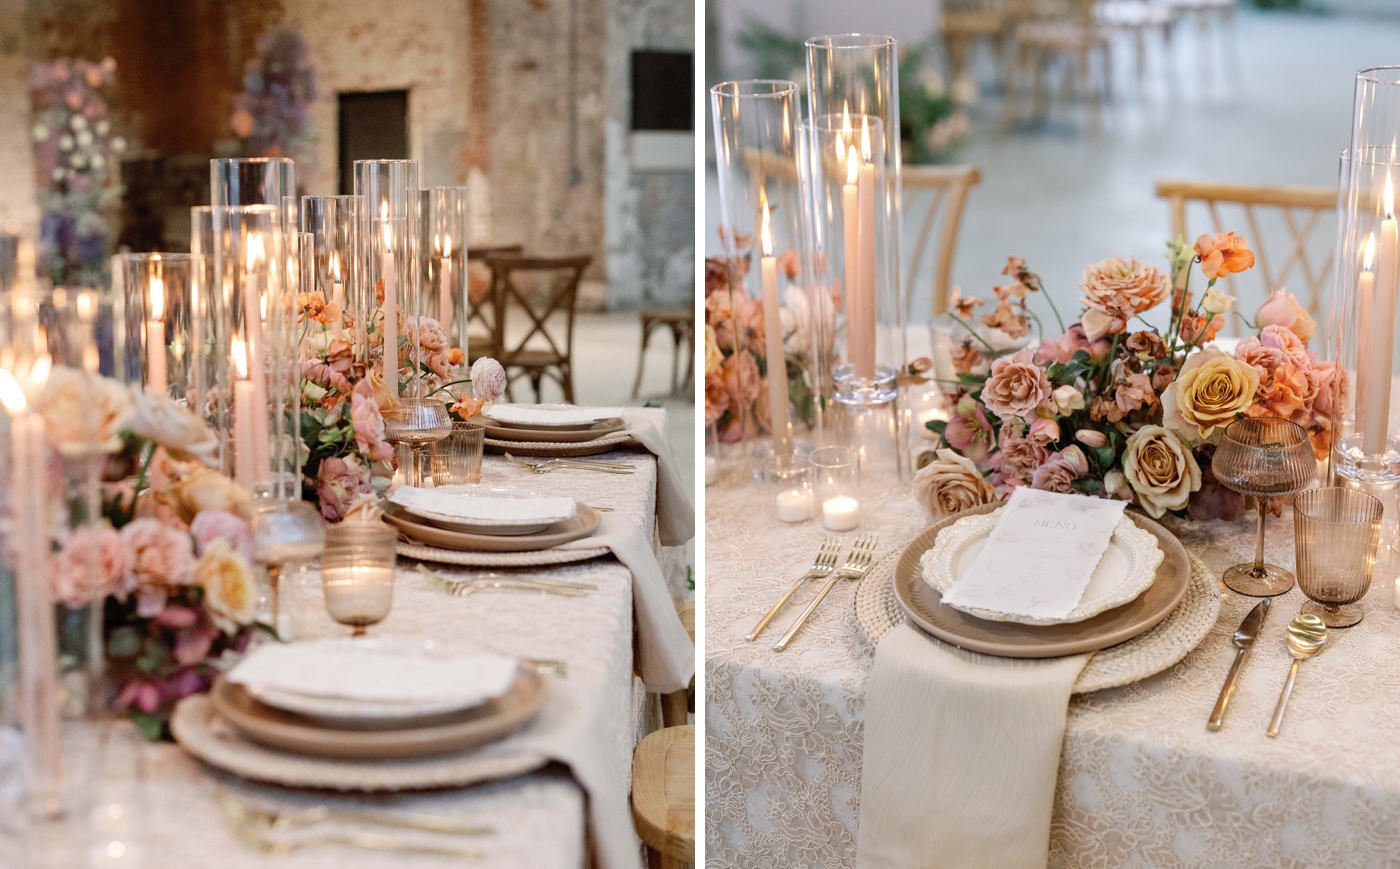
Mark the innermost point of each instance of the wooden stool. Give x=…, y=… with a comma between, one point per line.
x=676, y=705
x=663, y=796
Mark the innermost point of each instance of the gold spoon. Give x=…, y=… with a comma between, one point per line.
x=1306, y=636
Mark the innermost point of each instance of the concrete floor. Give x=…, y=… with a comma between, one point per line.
x=1063, y=197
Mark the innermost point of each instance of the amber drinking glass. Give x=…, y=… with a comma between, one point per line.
x=1266, y=458
x=456, y=459
x=1337, y=531
x=357, y=573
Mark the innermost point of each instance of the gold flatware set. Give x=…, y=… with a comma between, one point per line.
x=565, y=464
x=856, y=565
x=475, y=582
x=1306, y=635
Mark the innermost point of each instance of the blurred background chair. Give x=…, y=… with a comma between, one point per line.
x=1068, y=33
x=1291, y=216
x=481, y=312
x=963, y=24
x=545, y=291
x=939, y=193
x=681, y=322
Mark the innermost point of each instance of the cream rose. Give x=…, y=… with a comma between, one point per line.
x=1211, y=391
x=1161, y=470
x=1116, y=290
x=951, y=483
x=183, y=434
x=1016, y=386
x=82, y=411
x=210, y=490
x=229, y=594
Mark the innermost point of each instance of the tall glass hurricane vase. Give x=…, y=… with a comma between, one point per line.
x=256, y=181
x=442, y=247
x=762, y=318
x=338, y=228
x=854, y=232
x=159, y=339
x=1361, y=390
x=393, y=202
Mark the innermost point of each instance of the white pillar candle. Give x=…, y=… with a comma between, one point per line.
x=1366, y=298
x=841, y=513
x=778, y=413
x=794, y=505
x=1382, y=331
x=865, y=362
x=155, y=337
x=711, y=470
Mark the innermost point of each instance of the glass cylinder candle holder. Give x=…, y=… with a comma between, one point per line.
x=394, y=205
x=263, y=351
x=338, y=226
x=442, y=246
x=789, y=479
x=766, y=325
x=1361, y=404
x=456, y=459
x=255, y=181
x=836, y=486
x=357, y=573
x=208, y=391
x=157, y=334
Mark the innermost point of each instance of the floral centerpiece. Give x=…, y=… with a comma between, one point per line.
x=1114, y=407
x=272, y=115
x=345, y=401
x=171, y=555
x=736, y=364
x=76, y=154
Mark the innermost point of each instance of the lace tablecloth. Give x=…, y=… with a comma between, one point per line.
x=539, y=817
x=1142, y=782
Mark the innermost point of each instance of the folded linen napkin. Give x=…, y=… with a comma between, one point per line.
x=675, y=515
x=484, y=507
x=558, y=414
x=961, y=755
x=665, y=651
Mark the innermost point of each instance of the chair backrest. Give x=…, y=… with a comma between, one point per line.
x=552, y=292
x=1293, y=214
x=481, y=310
x=935, y=190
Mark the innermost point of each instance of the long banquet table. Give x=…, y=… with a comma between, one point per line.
x=1141, y=782
x=539, y=817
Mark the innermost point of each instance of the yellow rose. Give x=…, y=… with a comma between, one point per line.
x=83, y=412
x=713, y=357
x=1211, y=391
x=1160, y=468
x=229, y=593
x=210, y=490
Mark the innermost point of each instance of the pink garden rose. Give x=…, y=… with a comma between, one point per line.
x=339, y=481
x=160, y=555
x=1285, y=340
x=1281, y=309
x=431, y=337
x=211, y=525
x=1331, y=388
x=1020, y=457
x=1060, y=471
x=488, y=379
x=369, y=425
x=92, y=564
x=1016, y=387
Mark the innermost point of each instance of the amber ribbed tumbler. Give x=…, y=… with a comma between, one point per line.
x=1337, y=531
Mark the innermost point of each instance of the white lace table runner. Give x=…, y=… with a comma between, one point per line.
x=1141, y=780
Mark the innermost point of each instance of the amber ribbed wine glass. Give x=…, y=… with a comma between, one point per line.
x=1267, y=458
x=1337, y=531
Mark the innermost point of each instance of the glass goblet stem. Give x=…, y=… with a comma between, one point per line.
x=274, y=597
x=1259, y=544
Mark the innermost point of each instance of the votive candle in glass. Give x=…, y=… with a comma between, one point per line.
x=789, y=479
x=836, y=483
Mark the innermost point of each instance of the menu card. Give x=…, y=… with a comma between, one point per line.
x=1040, y=556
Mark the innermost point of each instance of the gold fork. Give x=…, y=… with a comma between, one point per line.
x=559, y=464
x=506, y=582
x=277, y=820
x=257, y=837
x=821, y=568
x=856, y=566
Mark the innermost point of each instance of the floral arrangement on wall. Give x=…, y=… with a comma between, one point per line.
x=271, y=114
x=1114, y=407
x=76, y=164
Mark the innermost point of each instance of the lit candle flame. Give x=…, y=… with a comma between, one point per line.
x=846, y=119
x=865, y=136
x=240, y=358
x=1370, y=254
x=335, y=266
x=11, y=394
x=39, y=371
x=388, y=238
x=446, y=246
x=256, y=251
x=1389, y=198
x=765, y=234
x=157, y=293
x=852, y=166
x=87, y=309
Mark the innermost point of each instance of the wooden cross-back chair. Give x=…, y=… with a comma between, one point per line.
x=1302, y=209
x=525, y=356
x=481, y=310
x=946, y=189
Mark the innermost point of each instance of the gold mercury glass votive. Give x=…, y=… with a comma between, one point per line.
x=357, y=573
x=456, y=459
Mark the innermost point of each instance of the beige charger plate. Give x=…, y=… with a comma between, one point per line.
x=437, y=735
x=546, y=450
x=582, y=525
x=505, y=432
x=924, y=605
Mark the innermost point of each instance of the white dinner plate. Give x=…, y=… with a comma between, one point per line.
x=1125, y=571
x=556, y=416
x=482, y=508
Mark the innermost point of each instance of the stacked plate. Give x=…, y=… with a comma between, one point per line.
x=487, y=518
x=1137, y=583
x=375, y=698
x=545, y=429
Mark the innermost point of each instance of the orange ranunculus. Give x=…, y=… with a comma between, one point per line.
x=1224, y=254
x=455, y=356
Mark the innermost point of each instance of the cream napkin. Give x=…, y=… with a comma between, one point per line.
x=674, y=512
x=961, y=755
x=666, y=654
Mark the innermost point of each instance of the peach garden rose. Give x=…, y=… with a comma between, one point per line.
x=1211, y=391
x=1118, y=289
x=1016, y=387
x=951, y=483
x=1160, y=468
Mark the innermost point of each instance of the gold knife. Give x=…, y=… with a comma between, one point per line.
x=1245, y=635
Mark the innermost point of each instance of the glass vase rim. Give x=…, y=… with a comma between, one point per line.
x=1366, y=74
x=337, y=197
x=383, y=162
x=154, y=256
x=1291, y=427
x=261, y=208
x=1302, y=499
x=824, y=123
x=251, y=160
x=870, y=40
x=790, y=89
x=847, y=457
